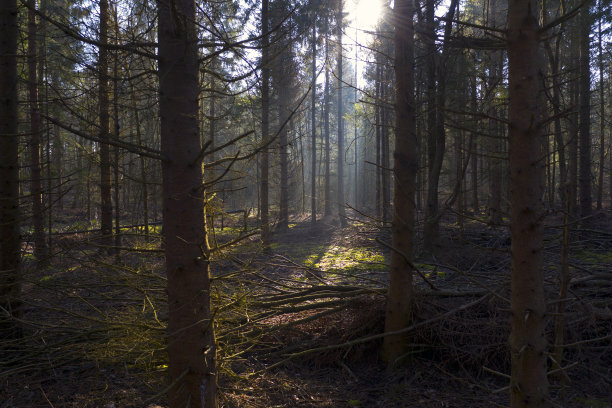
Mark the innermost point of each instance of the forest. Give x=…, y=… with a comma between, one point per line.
x=310, y=203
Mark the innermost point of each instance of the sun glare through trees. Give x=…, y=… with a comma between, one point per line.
x=310, y=203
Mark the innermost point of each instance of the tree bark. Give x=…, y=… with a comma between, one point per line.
x=40, y=245
x=191, y=344
x=106, y=206
x=326, y=103
x=10, y=284
x=265, y=127
x=584, y=177
x=400, y=298
x=602, y=104
x=340, y=187
x=313, y=161
x=528, y=384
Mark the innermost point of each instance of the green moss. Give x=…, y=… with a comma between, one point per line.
x=595, y=257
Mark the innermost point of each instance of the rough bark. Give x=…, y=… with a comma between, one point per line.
x=191, y=345
x=10, y=285
x=528, y=384
x=106, y=206
x=399, y=303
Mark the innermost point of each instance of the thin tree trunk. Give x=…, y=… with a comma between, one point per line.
x=143, y=167
x=528, y=384
x=378, y=126
x=438, y=140
x=265, y=117
x=602, y=120
x=313, y=164
x=474, y=153
x=116, y=134
x=586, y=201
x=191, y=340
x=40, y=245
x=106, y=207
x=326, y=102
x=400, y=299
x=553, y=61
x=283, y=112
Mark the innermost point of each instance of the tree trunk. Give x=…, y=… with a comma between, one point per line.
x=602, y=120
x=283, y=114
x=265, y=117
x=191, y=343
x=326, y=97
x=474, y=153
x=553, y=61
x=10, y=283
x=378, y=127
x=528, y=384
x=40, y=245
x=399, y=303
x=106, y=207
x=340, y=196
x=586, y=201
x=313, y=164
x=117, y=186
x=437, y=139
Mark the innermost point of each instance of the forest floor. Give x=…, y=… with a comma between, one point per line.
x=300, y=325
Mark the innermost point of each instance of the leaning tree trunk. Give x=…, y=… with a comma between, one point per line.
x=399, y=303
x=10, y=286
x=191, y=344
x=528, y=384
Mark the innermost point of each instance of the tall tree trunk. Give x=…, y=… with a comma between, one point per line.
x=602, y=104
x=143, y=164
x=326, y=107
x=40, y=245
x=313, y=164
x=586, y=201
x=191, y=342
x=399, y=303
x=528, y=384
x=553, y=61
x=431, y=230
x=378, y=126
x=265, y=127
x=116, y=190
x=340, y=187
x=10, y=283
x=106, y=207
x=385, y=164
x=283, y=114
x=474, y=152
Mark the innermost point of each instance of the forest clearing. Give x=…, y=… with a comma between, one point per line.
x=318, y=203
